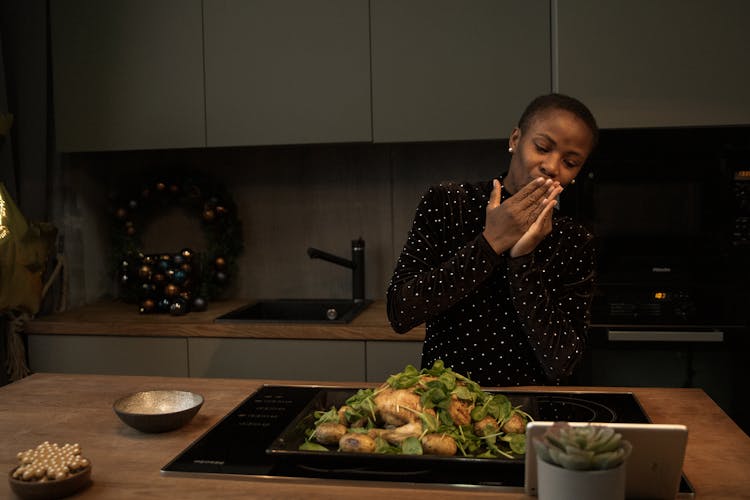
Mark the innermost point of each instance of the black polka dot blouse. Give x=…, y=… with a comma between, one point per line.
x=502, y=321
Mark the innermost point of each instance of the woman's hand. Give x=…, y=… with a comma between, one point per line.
x=541, y=227
x=508, y=222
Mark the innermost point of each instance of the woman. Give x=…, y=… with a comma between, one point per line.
x=503, y=283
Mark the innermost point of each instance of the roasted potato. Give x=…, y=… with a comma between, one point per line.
x=439, y=444
x=329, y=432
x=486, y=426
x=357, y=443
x=515, y=424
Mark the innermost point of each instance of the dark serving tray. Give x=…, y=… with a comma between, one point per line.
x=286, y=445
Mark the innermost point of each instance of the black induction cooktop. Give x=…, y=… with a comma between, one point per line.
x=240, y=445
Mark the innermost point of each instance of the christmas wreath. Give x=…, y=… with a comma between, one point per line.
x=184, y=280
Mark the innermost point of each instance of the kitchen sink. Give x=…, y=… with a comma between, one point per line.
x=297, y=311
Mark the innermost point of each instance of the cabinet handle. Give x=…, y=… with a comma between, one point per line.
x=665, y=336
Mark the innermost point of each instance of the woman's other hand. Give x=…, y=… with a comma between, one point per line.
x=540, y=228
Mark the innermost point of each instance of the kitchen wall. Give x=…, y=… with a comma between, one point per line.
x=289, y=198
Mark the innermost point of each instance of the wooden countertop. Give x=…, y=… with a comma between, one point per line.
x=126, y=464
x=110, y=317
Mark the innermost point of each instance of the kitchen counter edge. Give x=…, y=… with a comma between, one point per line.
x=117, y=318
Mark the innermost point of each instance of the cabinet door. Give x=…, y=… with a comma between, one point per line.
x=163, y=356
x=128, y=74
x=451, y=69
x=287, y=71
x=283, y=359
x=640, y=63
x=384, y=358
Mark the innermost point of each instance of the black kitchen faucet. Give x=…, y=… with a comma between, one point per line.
x=356, y=264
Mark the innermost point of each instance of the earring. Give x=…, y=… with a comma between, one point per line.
x=573, y=181
x=510, y=150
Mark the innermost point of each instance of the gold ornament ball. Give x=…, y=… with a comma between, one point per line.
x=220, y=263
x=160, y=186
x=147, y=305
x=209, y=215
x=121, y=213
x=159, y=278
x=144, y=272
x=171, y=290
x=187, y=254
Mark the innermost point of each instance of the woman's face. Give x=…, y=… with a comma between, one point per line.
x=555, y=146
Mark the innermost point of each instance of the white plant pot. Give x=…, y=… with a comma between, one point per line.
x=557, y=483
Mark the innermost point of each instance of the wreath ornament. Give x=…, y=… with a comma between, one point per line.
x=182, y=280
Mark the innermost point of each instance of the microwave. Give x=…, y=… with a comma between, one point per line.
x=670, y=211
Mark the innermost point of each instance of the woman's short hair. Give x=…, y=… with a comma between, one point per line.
x=559, y=101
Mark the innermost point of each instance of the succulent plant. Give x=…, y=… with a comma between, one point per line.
x=587, y=447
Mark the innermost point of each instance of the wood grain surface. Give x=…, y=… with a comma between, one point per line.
x=126, y=464
x=109, y=317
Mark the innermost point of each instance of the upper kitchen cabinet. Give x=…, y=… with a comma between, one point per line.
x=128, y=74
x=454, y=70
x=640, y=63
x=287, y=71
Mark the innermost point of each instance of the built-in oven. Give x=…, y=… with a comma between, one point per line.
x=670, y=210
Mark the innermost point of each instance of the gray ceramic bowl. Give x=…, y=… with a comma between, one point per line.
x=158, y=411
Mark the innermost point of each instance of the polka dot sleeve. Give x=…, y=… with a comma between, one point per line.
x=443, y=259
x=552, y=290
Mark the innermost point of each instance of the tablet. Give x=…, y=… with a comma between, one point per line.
x=653, y=469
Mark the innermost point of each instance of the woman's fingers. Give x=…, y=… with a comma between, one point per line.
x=533, y=192
x=496, y=194
x=546, y=214
x=553, y=193
x=539, y=228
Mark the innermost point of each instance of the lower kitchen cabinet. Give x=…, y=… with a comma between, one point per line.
x=282, y=359
x=334, y=360
x=716, y=367
x=385, y=358
x=108, y=355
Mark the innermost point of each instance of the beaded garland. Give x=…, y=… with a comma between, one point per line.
x=181, y=281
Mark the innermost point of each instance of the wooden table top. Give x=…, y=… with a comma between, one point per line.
x=126, y=464
x=112, y=317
